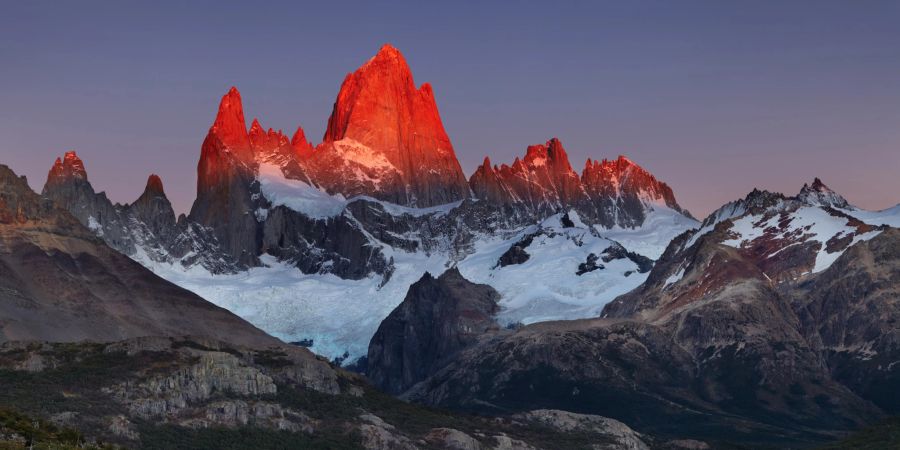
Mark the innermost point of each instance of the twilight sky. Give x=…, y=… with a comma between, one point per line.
x=713, y=97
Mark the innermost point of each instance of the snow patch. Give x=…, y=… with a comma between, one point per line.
x=95, y=226
x=546, y=287
x=352, y=150
x=297, y=195
x=889, y=217
x=661, y=225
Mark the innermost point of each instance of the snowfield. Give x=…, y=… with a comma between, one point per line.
x=340, y=316
x=890, y=216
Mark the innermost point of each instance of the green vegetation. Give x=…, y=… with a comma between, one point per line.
x=168, y=437
x=76, y=375
x=18, y=432
x=417, y=420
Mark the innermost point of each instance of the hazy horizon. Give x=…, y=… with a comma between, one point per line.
x=713, y=100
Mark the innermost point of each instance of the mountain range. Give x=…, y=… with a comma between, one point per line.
x=526, y=290
x=373, y=206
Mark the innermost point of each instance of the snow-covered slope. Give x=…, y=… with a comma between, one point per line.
x=889, y=217
x=547, y=285
x=792, y=237
x=339, y=316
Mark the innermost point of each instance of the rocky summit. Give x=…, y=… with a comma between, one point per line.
x=385, y=138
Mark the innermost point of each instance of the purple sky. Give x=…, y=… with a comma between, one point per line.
x=713, y=97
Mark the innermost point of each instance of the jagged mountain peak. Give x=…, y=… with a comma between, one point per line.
x=302, y=147
x=551, y=152
x=264, y=141
x=818, y=194
x=229, y=126
x=155, y=185
x=385, y=138
x=68, y=169
x=18, y=203
x=616, y=166
x=383, y=81
x=622, y=177
x=255, y=127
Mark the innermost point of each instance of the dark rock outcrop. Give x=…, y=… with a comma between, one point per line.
x=438, y=318
x=516, y=254
x=851, y=313
x=589, y=265
x=154, y=209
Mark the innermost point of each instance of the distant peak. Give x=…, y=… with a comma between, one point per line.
x=299, y=137
x=300, y=144
x=69, y=167
x=154, y=184
x=818, y=194
x=816, y=186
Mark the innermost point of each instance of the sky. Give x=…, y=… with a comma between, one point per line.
x=713, y=97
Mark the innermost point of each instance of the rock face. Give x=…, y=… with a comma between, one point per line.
x=61, y=283
x=214, y=372
x=154, y=209
x=621, y=190
x=543, y=181
x=438, y=318
x=621, y=435
x=850, y=311
x=385, y=139
x=225, y=183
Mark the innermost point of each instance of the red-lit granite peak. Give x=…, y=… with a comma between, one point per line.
x=69, y=167
x=386, y=128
